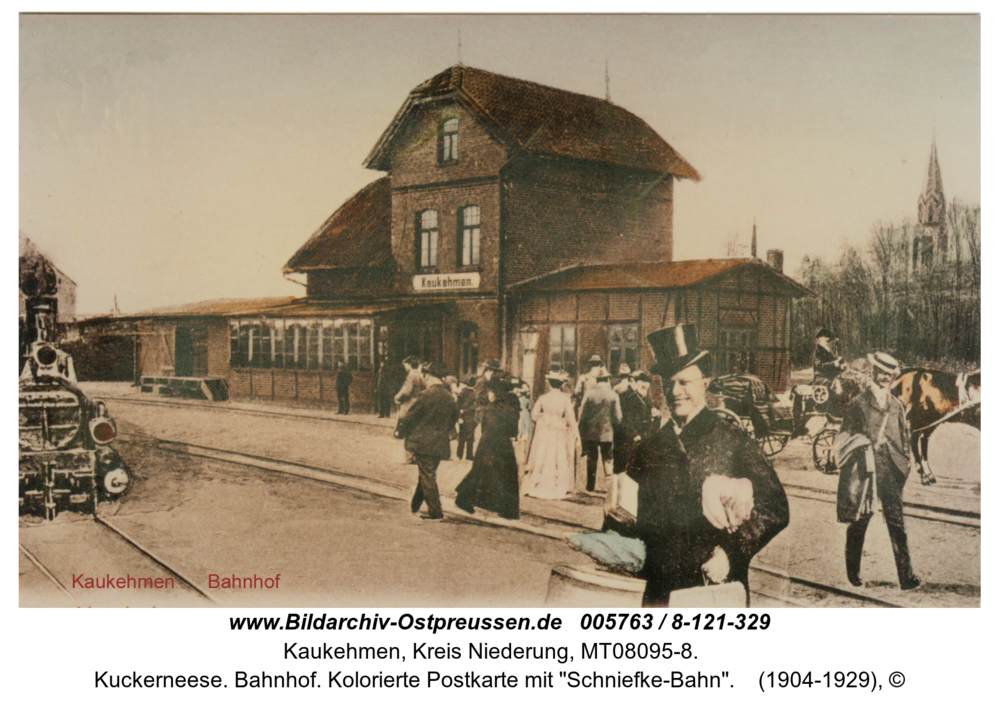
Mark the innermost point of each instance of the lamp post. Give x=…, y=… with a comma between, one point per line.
x=529, y=343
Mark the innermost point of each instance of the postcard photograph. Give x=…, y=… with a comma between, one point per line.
x=499, y=311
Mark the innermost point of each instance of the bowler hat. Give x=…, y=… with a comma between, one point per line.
x=641, y=376
x=676, y=348
x=826, y=333
x=885, y=362
x=436, y=370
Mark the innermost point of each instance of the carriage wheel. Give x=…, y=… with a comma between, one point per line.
x=820, y=394
x=730, y=417
x=823, y=451
x=772, y=444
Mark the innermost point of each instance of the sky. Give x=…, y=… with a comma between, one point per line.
x=166, y=159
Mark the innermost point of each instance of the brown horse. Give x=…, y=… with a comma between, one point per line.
x=933, y=396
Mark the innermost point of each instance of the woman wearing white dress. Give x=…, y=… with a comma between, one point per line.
x=552, y=461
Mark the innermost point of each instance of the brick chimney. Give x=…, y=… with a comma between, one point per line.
x=776, y=259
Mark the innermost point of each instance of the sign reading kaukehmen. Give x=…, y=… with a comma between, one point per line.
x=466, y=280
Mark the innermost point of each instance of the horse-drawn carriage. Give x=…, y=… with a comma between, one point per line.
x=772, y=420
x=748, y=403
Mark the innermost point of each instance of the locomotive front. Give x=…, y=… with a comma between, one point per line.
x=64, y=452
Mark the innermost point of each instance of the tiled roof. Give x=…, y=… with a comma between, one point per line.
x=358, y=234
x=545, y=120
x=281, y=307
x=214, y=307
x=649, y=275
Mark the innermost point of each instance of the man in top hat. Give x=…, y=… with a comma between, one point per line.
x=879, y=416
x=600, y=413
x=826, y=365
x=587, y=380
x=427, y=427
x=709, y=499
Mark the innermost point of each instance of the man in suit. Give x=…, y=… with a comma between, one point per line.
x=881, y=417
x=640, y=419
x=709, y=499
x=343, y=384
x=427, y=427
x=600, y=413
x=586, y=381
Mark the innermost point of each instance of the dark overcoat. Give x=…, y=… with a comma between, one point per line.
x=825, y=367
x=600, y=413
x=428, y=423
x=670, y=471
x=637, y=421
x=467, y=406
x=493, y=484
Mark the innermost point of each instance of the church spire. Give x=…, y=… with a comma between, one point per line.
x=933, y=239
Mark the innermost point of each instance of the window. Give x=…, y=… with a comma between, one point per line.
x=448, y=141
x=427, y=239
x=738, y=350
x=562, y=347
x=306, y=344
x=468, y=229
x=468, y=343
x=623, y=346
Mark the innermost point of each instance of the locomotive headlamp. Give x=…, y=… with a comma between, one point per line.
x=103, y=430
x=46, y=356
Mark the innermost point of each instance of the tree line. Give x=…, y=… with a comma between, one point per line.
x=897, y=295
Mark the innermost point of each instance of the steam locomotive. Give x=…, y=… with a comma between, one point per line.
x=65, y=460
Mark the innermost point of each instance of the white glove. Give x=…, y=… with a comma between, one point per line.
x=716, y=569
x=726, y=502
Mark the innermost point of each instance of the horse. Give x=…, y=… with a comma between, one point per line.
x=934, y=396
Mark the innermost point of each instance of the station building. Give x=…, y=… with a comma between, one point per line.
x=514, y=221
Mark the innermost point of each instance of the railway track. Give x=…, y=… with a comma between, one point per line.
x=776, y=587
x=51, y=573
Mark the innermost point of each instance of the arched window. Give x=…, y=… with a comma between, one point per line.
x=448, y=141
x=468, y=348
x=427, y=238
x=468, y=234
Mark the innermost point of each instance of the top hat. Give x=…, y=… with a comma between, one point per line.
x=492, y=364
x=436, y=370
x=826, y=333
x=595, y=360
x=885, y=362
x=675, y=348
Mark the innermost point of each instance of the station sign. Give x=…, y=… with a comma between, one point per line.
x=445, y=282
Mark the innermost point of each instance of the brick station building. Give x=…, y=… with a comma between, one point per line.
x=507, y=226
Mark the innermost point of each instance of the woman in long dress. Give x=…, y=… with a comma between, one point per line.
x=552, y=461
x=492, y=484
